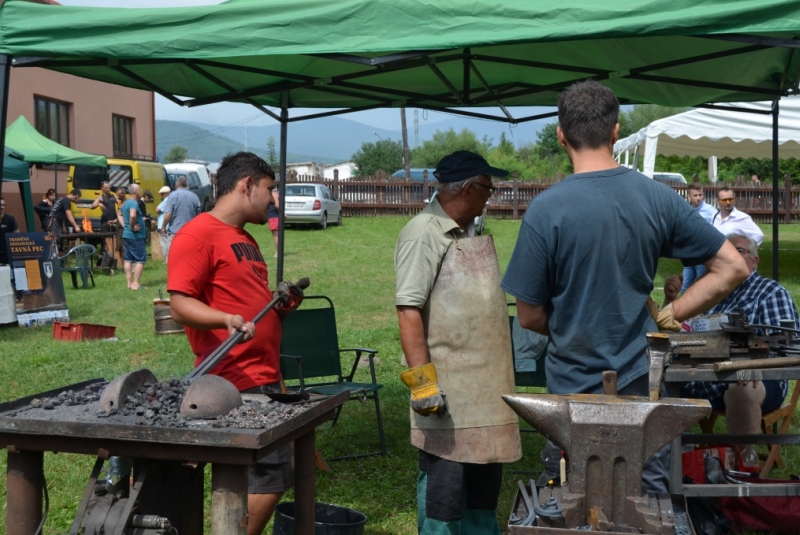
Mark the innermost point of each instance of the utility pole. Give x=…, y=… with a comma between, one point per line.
x=416, y=128
x=245, y=139
x=405, y=143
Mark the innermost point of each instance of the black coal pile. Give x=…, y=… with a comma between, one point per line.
x=154, y=404
x=67, y=398
x=158, y=404
x=257, y=415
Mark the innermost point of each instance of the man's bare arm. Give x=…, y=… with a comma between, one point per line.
x=412, y=335
x=533, y=317
x=193, y=313
x=71, y=219
x=726, y=271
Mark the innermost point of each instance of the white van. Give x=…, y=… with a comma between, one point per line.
x=197, y=179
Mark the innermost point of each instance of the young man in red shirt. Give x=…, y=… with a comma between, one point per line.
x=217, y=280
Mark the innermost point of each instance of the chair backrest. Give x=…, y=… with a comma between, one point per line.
x=310, y=333
x=530, y=352
x=82, y=253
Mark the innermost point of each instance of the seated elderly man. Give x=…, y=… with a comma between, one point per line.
x=764, y=302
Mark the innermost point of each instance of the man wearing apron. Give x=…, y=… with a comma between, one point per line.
x=455, y=336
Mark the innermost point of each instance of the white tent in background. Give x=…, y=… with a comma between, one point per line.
x=717, y=132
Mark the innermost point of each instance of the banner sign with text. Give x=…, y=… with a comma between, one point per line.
x=36, y=270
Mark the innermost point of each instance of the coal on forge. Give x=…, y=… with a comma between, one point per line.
x=148, y=477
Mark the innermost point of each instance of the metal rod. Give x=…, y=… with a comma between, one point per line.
x=282, y=183
x=775, y=255
x=5, y=74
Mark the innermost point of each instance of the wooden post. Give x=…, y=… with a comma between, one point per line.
x=515, y=193
x=336, y=183
x=229, y=499
x=787, y=199
x=425, y=195
x=24, y=486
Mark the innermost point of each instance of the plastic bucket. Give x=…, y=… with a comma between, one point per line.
x=328, y=520
x=163, y=317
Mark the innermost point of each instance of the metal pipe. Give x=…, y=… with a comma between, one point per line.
x=5, y=74
x=24, y=486
x=775, y=109
x=282, y=184
x=228, y=499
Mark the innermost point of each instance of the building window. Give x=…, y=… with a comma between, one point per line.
x=52, y=119
x=123, y=138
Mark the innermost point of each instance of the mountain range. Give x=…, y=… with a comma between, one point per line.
x=323, y=140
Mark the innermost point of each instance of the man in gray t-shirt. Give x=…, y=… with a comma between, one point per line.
x=181, y=207
x=588, y=249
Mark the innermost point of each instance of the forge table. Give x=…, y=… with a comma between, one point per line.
x=677, y=374
x=98, y=239
x=27, y=433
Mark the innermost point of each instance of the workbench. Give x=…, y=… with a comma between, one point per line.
x=674, y=376
x=27, y=434
x=98, y=239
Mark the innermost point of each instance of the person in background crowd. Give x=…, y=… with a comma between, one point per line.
x=274, y=218
x=730, y=220
x=44, y=206
x=134, y=237
x=107, y=202
x=561, y=257
x=162, y=237
x=119, y=227
x=764, y=302
x=8, y=225
x=217, y=277
x=755, y=179
x=181, y=207
x=697, y=200
x=61, y=218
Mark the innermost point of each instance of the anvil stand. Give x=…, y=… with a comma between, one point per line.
x=607, y=439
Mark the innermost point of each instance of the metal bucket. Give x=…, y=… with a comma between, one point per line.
x=328, y=520
x=163, y=316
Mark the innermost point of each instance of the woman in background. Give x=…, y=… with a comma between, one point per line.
x=45, y=205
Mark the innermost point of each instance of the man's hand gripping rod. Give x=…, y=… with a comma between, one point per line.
x=213, y=359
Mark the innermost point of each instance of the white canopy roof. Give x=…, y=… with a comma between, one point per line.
x=722, y=133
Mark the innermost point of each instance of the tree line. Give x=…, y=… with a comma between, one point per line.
x=545, y=159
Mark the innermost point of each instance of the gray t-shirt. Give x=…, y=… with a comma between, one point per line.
x=184, y=206
x=588, y=250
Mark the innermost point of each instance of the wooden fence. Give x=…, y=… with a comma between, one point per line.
x=376, y=196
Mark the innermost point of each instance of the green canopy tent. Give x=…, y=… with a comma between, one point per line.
x=354, y=55
x=16, y=170
x=23, y=137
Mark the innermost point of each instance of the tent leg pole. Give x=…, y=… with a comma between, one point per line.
x=775, y=191
x=282, y=184
x=5, y=74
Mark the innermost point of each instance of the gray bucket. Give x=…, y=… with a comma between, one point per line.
x=328, y=520
x=163, y=317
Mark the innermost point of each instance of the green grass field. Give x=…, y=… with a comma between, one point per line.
x=353, y=264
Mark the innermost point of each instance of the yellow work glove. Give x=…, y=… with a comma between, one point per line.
x=426, y=396
x=666, y=320
x=652, y=308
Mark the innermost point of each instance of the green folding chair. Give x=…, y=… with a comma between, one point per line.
x=310, y=333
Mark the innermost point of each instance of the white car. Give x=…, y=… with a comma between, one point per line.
x=311, y=204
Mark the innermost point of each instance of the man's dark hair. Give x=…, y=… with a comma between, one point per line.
x=75, y=192
x=724, y=188
x=587, y=113
x=235, y=167
x=697, y=186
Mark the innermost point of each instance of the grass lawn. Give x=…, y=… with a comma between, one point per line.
x=353, y=264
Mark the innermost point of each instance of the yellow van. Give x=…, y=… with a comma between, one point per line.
x=151, y=176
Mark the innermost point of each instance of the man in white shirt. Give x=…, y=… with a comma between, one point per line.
x=729, y=220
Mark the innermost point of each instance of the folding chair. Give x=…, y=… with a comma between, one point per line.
x=310, y=333
x=82, y=253
x=775, y=422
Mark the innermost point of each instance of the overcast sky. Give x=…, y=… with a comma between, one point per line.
x=243, y=114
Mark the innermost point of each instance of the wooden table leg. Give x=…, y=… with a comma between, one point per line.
x=304, y=492
x=25, y=483
x=228, y=499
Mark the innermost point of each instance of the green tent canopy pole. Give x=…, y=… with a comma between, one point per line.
x=5, y=72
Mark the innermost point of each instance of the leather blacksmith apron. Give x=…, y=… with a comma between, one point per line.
x=469, y=342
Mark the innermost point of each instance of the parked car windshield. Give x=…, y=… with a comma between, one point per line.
x=88, y=177
x=300, y=191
